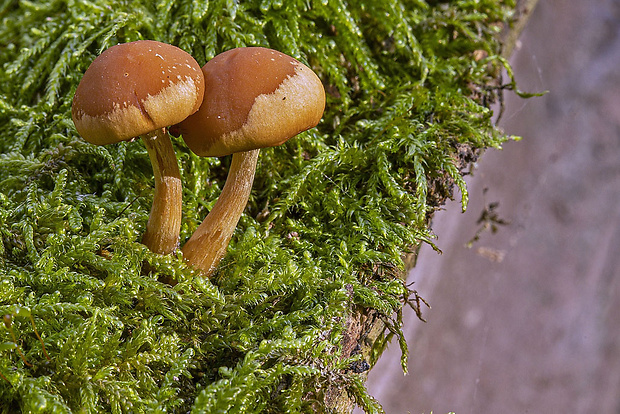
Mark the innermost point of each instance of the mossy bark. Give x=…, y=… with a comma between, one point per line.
x=310, y=279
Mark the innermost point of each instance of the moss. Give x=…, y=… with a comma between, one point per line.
x=331, y=215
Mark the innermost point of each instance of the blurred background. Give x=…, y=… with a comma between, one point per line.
x=527, y=320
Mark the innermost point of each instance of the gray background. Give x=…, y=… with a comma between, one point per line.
x=528, y=319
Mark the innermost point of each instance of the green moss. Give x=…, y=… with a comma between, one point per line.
x=331, y=214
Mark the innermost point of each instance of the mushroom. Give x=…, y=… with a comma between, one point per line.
x=137, y=89
x=254, y=98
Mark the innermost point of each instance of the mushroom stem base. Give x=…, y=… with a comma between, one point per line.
x=209, y=242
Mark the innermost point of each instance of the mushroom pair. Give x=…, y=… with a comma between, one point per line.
x=253, y=98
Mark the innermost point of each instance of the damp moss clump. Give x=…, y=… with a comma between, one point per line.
x=331, y=216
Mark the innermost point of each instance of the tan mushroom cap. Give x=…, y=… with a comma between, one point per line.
x=135, y=88
x=254, y=98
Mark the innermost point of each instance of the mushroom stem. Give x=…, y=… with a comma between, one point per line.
x=209, y=242
x=164, y=225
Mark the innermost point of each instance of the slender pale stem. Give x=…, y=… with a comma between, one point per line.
x=164, y=225
x=209, y=242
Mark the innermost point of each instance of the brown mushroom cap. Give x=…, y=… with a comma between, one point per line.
x=254, y=98
x=134, y=88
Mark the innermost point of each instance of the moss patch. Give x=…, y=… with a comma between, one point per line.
x=331, y=214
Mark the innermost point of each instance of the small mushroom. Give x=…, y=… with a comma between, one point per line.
x=254, y=98
x=137, y=89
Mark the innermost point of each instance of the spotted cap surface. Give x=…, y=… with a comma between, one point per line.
x=134, y=88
